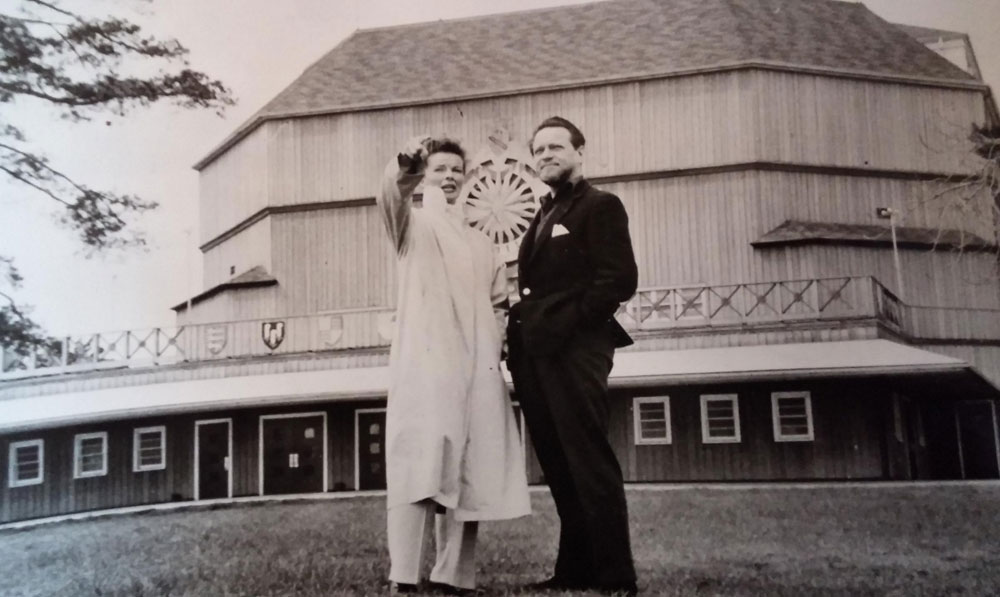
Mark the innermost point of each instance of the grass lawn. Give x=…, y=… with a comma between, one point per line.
x=900, y=540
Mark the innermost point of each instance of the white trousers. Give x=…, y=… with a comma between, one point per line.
x=455, y=543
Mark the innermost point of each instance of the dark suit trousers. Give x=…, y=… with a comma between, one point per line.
x=564, y=398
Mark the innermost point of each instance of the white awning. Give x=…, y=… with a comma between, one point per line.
x=851, y=358
x=668, y=367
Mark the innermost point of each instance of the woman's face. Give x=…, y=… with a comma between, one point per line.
x=447, y=172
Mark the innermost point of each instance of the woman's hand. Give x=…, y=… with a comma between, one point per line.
x=413, y=158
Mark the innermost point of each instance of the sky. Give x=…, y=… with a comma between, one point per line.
x=256, y=47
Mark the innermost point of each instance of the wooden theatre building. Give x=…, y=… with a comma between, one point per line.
x=754, y=144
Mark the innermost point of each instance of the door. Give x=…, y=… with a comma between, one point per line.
x=977, y=439
x=212, y=466
x=371, y=448
x=293, y=453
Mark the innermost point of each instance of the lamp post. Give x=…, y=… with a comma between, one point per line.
x=187, y=272
x=888, y=213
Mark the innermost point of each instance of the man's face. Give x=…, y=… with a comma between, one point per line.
x=446, y=171
x=555, y=157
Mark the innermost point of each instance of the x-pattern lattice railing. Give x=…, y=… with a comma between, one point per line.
x=725, y=304
x=651, y=309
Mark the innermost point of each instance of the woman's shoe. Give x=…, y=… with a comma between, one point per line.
x=402, y=588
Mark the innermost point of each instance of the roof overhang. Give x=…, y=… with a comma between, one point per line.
x=798, y=232
x=739, y=364
x=256, y=277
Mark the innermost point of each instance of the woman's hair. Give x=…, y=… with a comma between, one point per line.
x=445, y=145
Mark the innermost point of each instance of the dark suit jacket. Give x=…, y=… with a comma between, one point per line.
x=574, y=281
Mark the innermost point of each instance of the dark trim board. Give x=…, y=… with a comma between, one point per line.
x=857, y=429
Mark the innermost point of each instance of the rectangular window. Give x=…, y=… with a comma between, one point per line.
x=26, y=463
x=90, y=455
x=720, y=419
x=791, y=413
x=149, y=452
x=651, y=418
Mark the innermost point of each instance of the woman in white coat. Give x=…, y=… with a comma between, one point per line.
x=452, y=443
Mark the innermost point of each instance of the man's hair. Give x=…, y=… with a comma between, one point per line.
x=575, y=136
x=445, y=145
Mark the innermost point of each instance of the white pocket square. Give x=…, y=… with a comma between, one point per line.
x=559, y=230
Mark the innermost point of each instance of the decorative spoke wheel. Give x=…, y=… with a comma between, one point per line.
x=501, y=204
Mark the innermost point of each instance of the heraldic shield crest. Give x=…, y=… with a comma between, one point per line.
x=215, y=339
x=273, y=333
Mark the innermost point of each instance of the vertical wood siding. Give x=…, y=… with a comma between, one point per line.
x=250, y=248
x=59, y=493
x=332, y=259
x=847, y=423
x=687, y=230
x=684, y=122
x=235, y=186
x=986, y=359
x=848, y=418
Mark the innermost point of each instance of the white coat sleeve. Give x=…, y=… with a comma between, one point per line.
x=395, y=203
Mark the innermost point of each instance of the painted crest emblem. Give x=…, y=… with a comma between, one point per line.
x=387, y=325
x=330, y=329
x=272, y=332
x=216, y=337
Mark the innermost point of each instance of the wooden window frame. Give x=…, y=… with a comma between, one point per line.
x=637, y=421
x=13, y=480
x=137, y=466
x=78, y=440
x=733, y=399
x=776, y=419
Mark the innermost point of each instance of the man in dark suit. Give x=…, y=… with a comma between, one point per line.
x=575, y=267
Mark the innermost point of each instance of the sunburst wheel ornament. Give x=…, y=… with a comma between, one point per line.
x=501, y=204
x=500, y=195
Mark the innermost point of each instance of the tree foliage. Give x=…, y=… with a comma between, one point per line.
x=82, y=66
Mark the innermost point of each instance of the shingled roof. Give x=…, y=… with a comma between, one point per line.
x=596, y=43
x=255, y=277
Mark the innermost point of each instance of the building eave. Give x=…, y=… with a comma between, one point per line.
x=736, y=364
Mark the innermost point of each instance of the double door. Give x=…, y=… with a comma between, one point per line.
x=293, y=458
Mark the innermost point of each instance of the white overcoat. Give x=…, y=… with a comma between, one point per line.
x=450, y=429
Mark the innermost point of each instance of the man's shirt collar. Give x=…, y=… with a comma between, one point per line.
x=567, y=189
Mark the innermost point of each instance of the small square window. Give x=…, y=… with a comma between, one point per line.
x=26, y=463
x=791, y=414
x=149, y=449
x=651, y=418
x=90, y=455
x=720, y=419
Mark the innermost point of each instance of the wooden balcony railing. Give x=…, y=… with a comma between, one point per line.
x=742, y=304
x=651, y=309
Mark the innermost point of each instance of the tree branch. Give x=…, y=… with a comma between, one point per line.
x=31, y=184
x=36, y=161
x=53, y=8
